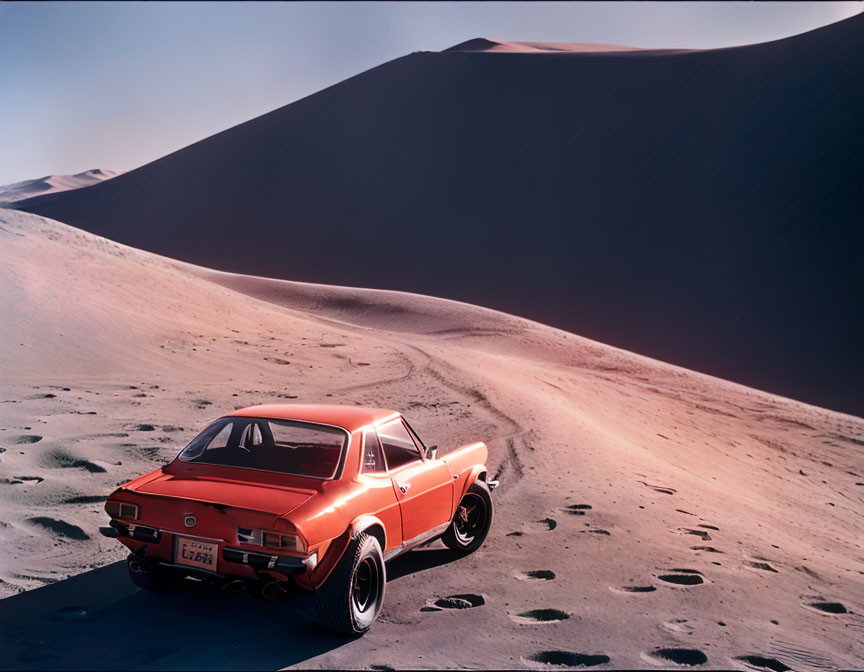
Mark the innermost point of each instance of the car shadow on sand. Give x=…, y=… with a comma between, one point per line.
x=419, y=560
x=99, y=620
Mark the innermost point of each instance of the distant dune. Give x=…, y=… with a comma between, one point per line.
x=700, y=207
x=486, y=44
x=51, y=184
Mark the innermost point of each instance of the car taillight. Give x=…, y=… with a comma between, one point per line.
x=122, y=510
x=282, y=542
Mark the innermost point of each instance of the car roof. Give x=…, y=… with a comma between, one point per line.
x=347, y=417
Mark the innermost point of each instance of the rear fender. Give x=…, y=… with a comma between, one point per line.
x=339, y=545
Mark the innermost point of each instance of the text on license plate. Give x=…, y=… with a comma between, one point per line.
x=196, y=553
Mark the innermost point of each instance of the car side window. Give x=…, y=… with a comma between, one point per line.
x=399, y=447
x=222, y=438
x=373, y=458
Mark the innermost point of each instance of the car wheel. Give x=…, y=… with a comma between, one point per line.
x=472, y=520
x=351, y=597
x=152, y=577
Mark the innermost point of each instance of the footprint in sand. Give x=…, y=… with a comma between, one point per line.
x=687, y=657
x=683, y=577
x=633, y=589
x=465, y=601
x=764, y=566
x=544, y=525
x=548, y=659
x=35, y=479
x=821, y=607
x=62, y=459
x=704, y=536
x=764, y=663
x=536, y=575
x=678, y=626
x=540, y=616
x=60, y=527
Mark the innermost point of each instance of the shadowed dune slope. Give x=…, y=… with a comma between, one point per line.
x=700, y=207
x=644, y=511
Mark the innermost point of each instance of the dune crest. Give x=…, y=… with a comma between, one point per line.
x=504, y=46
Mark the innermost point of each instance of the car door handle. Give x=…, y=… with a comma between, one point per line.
x=403, y=487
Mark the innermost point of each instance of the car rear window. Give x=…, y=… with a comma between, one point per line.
x=282, y=446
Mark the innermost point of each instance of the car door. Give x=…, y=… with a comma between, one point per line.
x=424, y=487
x=379, y=489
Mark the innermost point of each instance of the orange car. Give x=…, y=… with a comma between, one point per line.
x=318, y=495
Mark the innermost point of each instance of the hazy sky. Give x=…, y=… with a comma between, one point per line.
x=115, y=85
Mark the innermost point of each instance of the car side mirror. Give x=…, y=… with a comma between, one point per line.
x=431, y=452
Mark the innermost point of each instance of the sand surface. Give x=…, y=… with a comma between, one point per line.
x=703, y=208
x=52, y=184
x=642, y=506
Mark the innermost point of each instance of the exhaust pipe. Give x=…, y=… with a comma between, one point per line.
x=272, y=590
x=108, y=531
x=234, y=587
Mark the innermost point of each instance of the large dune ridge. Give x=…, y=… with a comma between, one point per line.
x=699, y=207
x=644, y=509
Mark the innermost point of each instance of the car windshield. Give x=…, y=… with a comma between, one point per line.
x=283, y=446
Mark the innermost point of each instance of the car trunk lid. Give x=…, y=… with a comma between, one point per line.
x=265, y=497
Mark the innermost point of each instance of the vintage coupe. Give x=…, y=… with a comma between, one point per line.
x=320, y=496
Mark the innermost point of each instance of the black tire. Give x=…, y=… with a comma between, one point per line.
x=151, y=577
x=351, y=597
x=472, y=520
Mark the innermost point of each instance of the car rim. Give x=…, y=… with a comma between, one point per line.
x=470, y=517
x=364, y=593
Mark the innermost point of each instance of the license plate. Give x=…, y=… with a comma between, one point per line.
x=196, y=553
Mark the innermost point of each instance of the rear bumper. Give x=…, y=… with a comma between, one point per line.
x=118, y=530
x=158, y=546
x=284, y=564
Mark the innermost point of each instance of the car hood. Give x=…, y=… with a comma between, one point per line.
x=268, y=498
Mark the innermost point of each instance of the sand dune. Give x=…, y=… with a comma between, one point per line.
x=699, y=207
x=487, y=44
x=646, y=514
x=51, y=184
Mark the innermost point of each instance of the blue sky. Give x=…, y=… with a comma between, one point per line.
x=115, y=85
